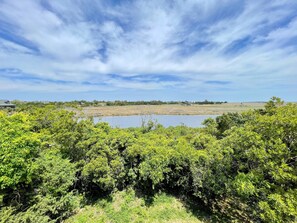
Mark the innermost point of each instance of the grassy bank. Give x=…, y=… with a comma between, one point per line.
x=125, y=206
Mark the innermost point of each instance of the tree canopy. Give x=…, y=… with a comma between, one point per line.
x=239, y=166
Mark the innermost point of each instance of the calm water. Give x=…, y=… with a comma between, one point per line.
x=165, y=120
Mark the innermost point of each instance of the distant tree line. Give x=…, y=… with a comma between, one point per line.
x=95, y=103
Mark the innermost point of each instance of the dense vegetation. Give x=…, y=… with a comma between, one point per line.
x=240, y=167
x=82, y=103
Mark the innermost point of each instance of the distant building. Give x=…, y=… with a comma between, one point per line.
x=186, y=103
x=6, y=104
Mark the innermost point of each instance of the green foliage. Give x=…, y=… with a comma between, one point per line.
x=18, y=148
x=55, y=173
x=99, y=172
x=229, y=120
x=104, y=164
x=156, y=160
x=280, y=207
x=46, y=209
x=201, y=141
x=211, y=127
x=10, y=215
x=273, y=104
x=242, y=167
x=253, y=167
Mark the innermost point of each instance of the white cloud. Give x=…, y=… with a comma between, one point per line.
x=80, y=42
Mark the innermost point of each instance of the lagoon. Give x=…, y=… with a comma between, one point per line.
x=165, y=120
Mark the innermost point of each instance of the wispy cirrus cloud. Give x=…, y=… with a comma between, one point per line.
x=191, y=46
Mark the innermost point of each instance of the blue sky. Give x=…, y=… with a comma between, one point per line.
x=232, y=50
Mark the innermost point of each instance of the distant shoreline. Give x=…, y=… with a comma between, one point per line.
x=176, y=109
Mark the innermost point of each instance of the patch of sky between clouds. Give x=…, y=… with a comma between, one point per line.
x=186, y=50
x=62, y=11
x=7, y=34
x=16, y=74
x=279, y=24
x=146, y=78
x=103, y=52
x=284, y=21
x=98, y=12
x=89, y=83
x=211, y=12
x=238, y=46
x=292, y=42
x=216, y=82
x=196, y=25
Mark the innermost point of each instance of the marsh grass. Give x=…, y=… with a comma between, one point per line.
x=216, y=109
